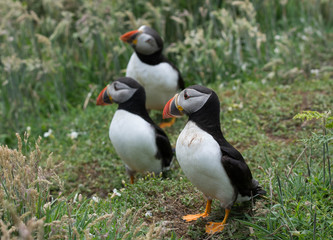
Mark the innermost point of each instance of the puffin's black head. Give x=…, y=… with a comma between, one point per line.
x=122, y=90
x=192, y=100
x=145, y=40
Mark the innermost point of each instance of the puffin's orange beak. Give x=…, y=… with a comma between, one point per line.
x=171, y=110
x=129, y=36
x=103, y=98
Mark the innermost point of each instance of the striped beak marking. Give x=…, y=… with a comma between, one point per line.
x=172, y=109
x=130, y=37
x=104, y=98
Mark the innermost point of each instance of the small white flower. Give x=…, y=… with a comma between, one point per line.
x=115, y=191
x=314, y=71
x=148, y=214
x=95, y=199
x=48, y=133
x=73, y=135
x=28, y=129
x=276, y=50
x=277, y=37
x=236, y=120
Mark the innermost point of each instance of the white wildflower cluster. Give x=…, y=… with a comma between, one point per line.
x=115, y=193
x=95, y=199
x=48, y=133
x=74, y=134
x=148, y=214
x=315, y=71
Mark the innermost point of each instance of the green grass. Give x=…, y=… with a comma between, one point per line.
x=54, y=55
x=266, y=61
x=256, y=118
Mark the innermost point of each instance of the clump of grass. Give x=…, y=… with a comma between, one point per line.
x=23, y=181
x=30, y=210
x=322, y=138
x=25, y=187
x=298, y=206
x=300, y=197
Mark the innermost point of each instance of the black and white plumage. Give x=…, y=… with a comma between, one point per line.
x=147, y=65
x=140, y=143
x=212, y=164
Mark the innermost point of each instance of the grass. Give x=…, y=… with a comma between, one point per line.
x=267, y=61
x=262, y=128
x=53, y=55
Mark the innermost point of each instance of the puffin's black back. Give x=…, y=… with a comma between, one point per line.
x=137, y=105
x=208, y=119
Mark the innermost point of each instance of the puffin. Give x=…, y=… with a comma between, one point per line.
x=207, y=159
x=147, y=65
x=140, y=143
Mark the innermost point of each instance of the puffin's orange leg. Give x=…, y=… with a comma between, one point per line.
x=168, y=124
x=213, y=227
x=189, y=218
x=131, y=179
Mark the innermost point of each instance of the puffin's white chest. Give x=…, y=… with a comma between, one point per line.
x=199, y=156
x=160, y=81
x=134, y=141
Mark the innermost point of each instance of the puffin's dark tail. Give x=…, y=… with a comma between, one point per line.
x=257, y=189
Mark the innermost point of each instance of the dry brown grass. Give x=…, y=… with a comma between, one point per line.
x=23, y=183
x=25, y=199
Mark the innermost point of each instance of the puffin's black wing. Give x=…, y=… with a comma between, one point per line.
x=240, y=175
x=164, y=150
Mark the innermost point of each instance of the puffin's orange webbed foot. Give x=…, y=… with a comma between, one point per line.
x=213, y=227
x=168, y=124
x=189, y=218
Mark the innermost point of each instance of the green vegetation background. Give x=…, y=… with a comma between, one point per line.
x=267, y=60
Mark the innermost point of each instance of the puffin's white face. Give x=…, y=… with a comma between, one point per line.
x=145, y=40
x=120, y=92
x=188, y=101
x=146, y=44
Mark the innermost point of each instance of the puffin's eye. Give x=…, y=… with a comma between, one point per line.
x=186, y=96
x=149, y=40
x=115, y=87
